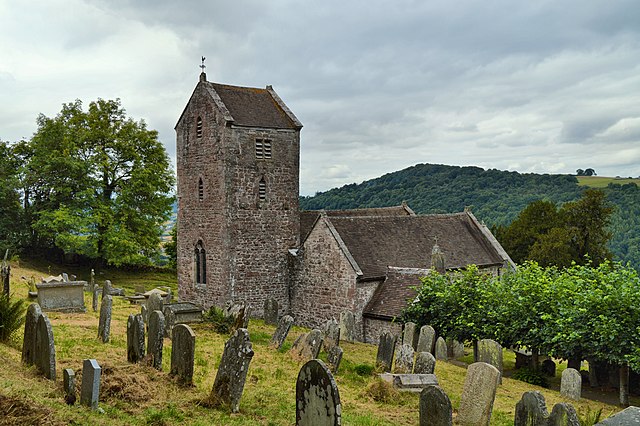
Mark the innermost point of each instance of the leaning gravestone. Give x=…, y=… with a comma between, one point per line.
x=628, y=416
x=435, y=407
x=441, y=349
x=104, y=326
x=425, y=363
x=531, y=410
x=232, y=373
x=156, y=338
x=478, y=394
x=135, y=338
x=284, y=325
x=317, y=396
x=154, y=303
x=571, y=384
x=30, y=332
x=426, y=339
x=331, y=335
x=183, y=349
x=45, y=354
x=90, y=390
x=308, y=345
x=270, y=311
x=404, y=360
x=409, y=336
x=490, y=351
x=348, y=326
x=386, y=348
x=334, y=357
x=69, y=384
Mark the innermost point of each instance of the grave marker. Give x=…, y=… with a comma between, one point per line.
x=404, y=360
x=386, y=349
x=104, y=326
x=531, y=410
x=334, y=357
x=154, y=303
x=307, y=346
x=441, y=349
x=571, y=384
x=45, y=354
x=478, y=394
x=348, y=326
x=331, y=335
x=135, y=338
x=425, y=363
x=156, y=338
x=232, y=373
x=183, y=349
x=435, y=407
x=270, y=311
x=90, y=390
x=409, y=336
x=284, y=325
x=490, y=351
x=30, y=332
x=69, y=384
x=317, y=396
x=426, y=339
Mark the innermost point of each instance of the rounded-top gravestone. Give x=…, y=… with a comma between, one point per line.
x=317, y=396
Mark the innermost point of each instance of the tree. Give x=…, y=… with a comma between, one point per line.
x=105, y=193
x=589, y=172
x=11, y=226
x=579, y=172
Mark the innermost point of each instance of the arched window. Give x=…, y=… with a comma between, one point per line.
x=262, y=189
x=200, y=258
x=199, y=128
x=200, y=190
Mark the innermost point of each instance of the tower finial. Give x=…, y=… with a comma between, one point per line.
x=203, y=75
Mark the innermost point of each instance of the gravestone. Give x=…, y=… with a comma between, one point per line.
x=284, y=325
x=154, y=303
x=307, y=346
x=386, y=349
x=104, y=326
x=62, y=296
x=426, y=339
x=317, y=396
x=270, y=311
x=144, y=311
x=135, y=338
x=90, y=390
x=490, y=351
x=628, y=416
x=239, y=312
x=45, y=353
x=232, y=373
x=404, y=360
x=155, y=341
x=435, y=407
x=441, y=349
x=348, y=326
x=30, y=333
x=531, y=410
x=94, y=299
x=571, y=384
x=106, y=289
x=331, y=335
x=548, y=368
x=69, y=384
x=410, y=382
x=334, y=357
x=478, y=394
x=183, y=349
x=455, y=349
x=425, y=363
x=5, y=274
x=409, y=336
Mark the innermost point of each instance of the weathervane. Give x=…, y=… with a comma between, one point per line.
x=203, y=66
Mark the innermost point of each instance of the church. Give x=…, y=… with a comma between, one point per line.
x=242, y=236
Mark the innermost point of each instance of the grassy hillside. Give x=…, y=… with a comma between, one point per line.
x=603, y=181
x=139, y=395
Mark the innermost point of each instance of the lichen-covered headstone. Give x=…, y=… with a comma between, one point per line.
x=571, y=384
x=441, y=349
x=435, y=407
x=232, y=373
x=144, y=311
x=308, y=346
x=331, y=335
x=90, y=389
x=270, y=314
x=425, y=363
x=69, y=384
x=155, y=341
x=183, y=349
x=404, y=360
x=94, y=298
x=135, y=338
x=317, y=396
x=106, y=289
x=386, y=349
x=334, y=357
x=628, y=416
x=426, y=339
x=154, y=303
x=45, y=354
x=284, y=325
x=531, y=410
x=490, y=351
x=564, y=414
x=455, y=349
x=478, y=394
x=348, y=326
x=104, y=326
x=30, y=331
x=409, y=336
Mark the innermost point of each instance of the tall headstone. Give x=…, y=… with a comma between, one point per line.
x=106, y=289
x=284, y=325
x=404, y=360
x=441, y=349
x=409, y=336
x=69, y=384
x=183, y=349
x=135, y=338
x=308, y=346
x=331, y=335
x=334, y=358
x=155, y=341
x=426, y=339
x=94, y=299
x=348, y=326
x=548, y=368
x=317, y=396
x=30, y=332
x=154, y=303
x=104, y=326
x=144, y=311
x=571, y=384
x=425, y=363
x=232, y=373
x=435, y=407
x=531, y=410
x=490, y=351
x=478, y=394
x=271, y=311
x=45, y=354
x=386, y=349
x=90, y=390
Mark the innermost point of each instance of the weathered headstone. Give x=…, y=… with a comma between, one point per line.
x=563, y=414
x=426, y=339
x=90, y=390
x=410, y=382
x=155, y=341
x=94, y=299
x=348, y=326
x=232, y=373
x=331, y=335
x=531, y=410
x=106, y=289
x=425, y=363
x=239, y=312
x=334, y=357
x=404, y=359
x=478, y=394
x=548, y=368
x=270, y=311
x=45, y=354
x=409, y=336
x=61, y=296
x=30, y=332
x=571, y=384
x=154, y=303
x=104, y=325
x=135, y=338
x=5, y=274
x=144, y=311
x=317, y=396
x=69, y=384
x=490, y=351
x=308, y=346
x=284, y=325
x=435, y=407
x=441, y=349
x=626, y=417
x=386, y=349
x=183, y=349
x=455, y=349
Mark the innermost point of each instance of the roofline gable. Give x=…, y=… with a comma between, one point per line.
x=341, y=244
x=495, y=244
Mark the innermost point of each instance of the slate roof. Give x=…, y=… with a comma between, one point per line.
x=393, y=295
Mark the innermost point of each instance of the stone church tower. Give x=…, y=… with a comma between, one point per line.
x=238, y=158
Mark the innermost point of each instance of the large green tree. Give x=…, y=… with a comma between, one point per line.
x=97, y=183
x=11, y=227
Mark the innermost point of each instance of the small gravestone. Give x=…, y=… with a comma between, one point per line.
x=386, y=349
x=563, y=414
x=331, y=335
x=154, y=303
x=45, y=353
x=90, y=390
x=270, y=311
x=478, y=394
x=571, y=384
x=490, y=351
x=104, y=326
x=239, y=313
x=284, y=325
x=94, y=299
x=455, y=349
x=317, y=396
x=435, y=407
x=441, y=349
x=135, y=338
x=426, y=339
x=232, y=373
x=106, y=289
x=409, y=336
x=308, y=346
x=334, y=357
x=548, y=368
x=531, y=410
x=30, y=332
x=348, y=326
x=404, y=360
x=183, y=349
x=155, y=341
x=425, y=363
x=628, y=416
x=69, y=384
x=144, y=311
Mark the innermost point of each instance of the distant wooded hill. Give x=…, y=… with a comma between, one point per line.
x=495, y=196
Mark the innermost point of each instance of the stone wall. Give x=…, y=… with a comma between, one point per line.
x=373, y=328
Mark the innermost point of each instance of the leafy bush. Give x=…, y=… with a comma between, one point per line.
x=222, y=324
x=11, y=316
x=363, y=369
x=530, y=376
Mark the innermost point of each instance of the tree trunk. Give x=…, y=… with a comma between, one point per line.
x=535, y=359
x=475, y=351
x=624, y=385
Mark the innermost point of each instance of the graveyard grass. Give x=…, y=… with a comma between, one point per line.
x=139, y=395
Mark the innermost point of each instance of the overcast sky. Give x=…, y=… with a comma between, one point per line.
x=536, y=86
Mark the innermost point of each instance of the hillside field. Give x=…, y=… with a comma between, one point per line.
x=603, y=181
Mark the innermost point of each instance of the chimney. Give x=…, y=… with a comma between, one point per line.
x=437, y=259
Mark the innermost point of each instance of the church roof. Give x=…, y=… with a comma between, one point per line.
x=393, y=295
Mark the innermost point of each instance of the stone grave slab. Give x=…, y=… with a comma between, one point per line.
x=628, y=416
x=61, y=296
x=490, y=351
x=180, y=313
x=90, y=390
x=317, y=396
x=331, y=337
x=410, y=382
x=478, y=394
x=531, y=410
x=409, y=335
x=334, y=358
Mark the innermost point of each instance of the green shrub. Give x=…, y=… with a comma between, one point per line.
x=533, y=377
x=221, y=323
x=11, y=316
x=363, y=369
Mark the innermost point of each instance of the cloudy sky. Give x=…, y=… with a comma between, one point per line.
x=536, y=86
